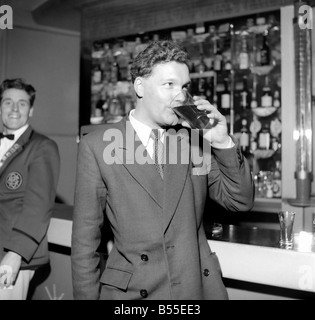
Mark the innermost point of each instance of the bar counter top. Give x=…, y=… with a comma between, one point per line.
x=247, y=254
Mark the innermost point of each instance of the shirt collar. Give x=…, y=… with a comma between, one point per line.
x=19, y=132
x=143, y=131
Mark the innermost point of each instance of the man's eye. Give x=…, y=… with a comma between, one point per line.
x=169, y=84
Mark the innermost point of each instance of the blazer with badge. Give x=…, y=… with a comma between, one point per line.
x=160, y=248
x=29, y=173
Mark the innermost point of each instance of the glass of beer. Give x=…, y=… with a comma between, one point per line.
x=184, y=107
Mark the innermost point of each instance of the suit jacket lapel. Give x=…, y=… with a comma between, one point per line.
x=133, y=155
x=16, y=149
x=175, y=171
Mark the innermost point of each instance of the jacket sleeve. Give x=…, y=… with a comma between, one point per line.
x=89, y=203
x=31, y=226
x=230, y=180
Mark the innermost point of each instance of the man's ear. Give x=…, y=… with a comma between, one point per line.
x=138, y=86
x=31, y=112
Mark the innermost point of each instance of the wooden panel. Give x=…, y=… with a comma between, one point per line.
x=120, y=18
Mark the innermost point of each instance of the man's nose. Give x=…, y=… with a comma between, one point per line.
x=15, y=106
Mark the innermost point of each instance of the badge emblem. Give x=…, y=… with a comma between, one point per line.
x=13, y=181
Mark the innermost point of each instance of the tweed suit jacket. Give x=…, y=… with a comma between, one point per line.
x=29, y=174
x=160, y=248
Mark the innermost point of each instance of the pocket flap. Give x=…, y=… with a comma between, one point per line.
x=116, y=278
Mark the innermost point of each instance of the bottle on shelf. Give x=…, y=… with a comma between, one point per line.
x=254, y=127
x=274, y=144
x=201, y=67
x=276, y=99
x=274, y=39
x=228, y=47
x=209, y=89
x=244, y=138
x=266, y=97
x=218, y=58
x=107, y=60
x=244, y=55
x=202, y=88
x=264, y=50
x=259, y=28
x=253, y=144
x=253, y=102
x=277, y=181
x=193, y=48
x=250, y=41
x=97, y=74
x=226, y=97
x=114, y=74
x=244, y=94
x=264, y=138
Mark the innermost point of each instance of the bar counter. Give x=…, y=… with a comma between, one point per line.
x=248, y=256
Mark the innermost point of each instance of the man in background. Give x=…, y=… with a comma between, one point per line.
x=29, y=172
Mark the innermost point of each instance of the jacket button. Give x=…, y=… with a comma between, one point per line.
x=144, y=257
x=206, y=272
x=143, y=293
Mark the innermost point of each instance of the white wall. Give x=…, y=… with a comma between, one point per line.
x=48, y=59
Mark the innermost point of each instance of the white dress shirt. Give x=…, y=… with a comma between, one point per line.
x=143, y=131
x=6, y=144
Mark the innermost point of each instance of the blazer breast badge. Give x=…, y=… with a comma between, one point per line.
x=13, y=180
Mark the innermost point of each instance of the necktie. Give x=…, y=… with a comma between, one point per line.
x=8, y=136
x=157, y=151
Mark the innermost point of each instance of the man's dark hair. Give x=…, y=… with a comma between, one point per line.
x=18, y=84
x=157, y=52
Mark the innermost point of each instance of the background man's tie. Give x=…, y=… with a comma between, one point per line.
x=157, y=151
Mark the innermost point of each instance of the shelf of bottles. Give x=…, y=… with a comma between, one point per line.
x=235, y=64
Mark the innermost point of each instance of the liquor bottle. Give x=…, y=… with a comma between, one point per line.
x=255, y=127
x=253, y=144
x=201, y=66
x=208, y=47
x=264, y=138
x=114, y=75
x=218, y=58
x=244, y=56
x=274, y=144
x=209, y=89
x=226, y=97
x=266, y=98
x=138, y=47
x=193, y=48
x=97, y=74
x=244, y=139
x=274, y=40
x=107, y=60
x=202, y=88
x=277, y=181
x=122, y=58
x=244, y=94
x=259, y=29
x=253, y=103
x=228, y=46
x=265, y=50
x=276, y=99
x=275, y=127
